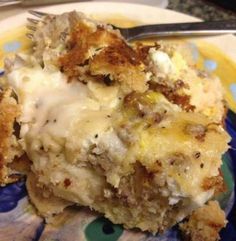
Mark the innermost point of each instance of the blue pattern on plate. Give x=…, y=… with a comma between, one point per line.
x=39, y=232
x=210, y=65
x=172, y=234
x=233, y=90
x=11, y=46
x=194, y=51
x=1, y=72
x=10, y=195
x=229, y=233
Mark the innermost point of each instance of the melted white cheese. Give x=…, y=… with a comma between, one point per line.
x=62, y=122
x=51, y=105
x=161, y=61
x=177, y=194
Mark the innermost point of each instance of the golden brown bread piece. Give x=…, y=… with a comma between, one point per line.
x=9, y=148
x=120, y=63
x=105, y=53
x=205, y=223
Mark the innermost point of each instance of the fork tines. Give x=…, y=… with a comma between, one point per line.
x=31, y=27
x=32, y=22
x=29, y=35
x=38, y=14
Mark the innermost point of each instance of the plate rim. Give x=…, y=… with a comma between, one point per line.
x=133, y=10
x=109, y=3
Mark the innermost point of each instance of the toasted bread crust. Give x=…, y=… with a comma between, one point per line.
x=9, y=110
x=205, y=223
x=104, y=53
x=216, y=182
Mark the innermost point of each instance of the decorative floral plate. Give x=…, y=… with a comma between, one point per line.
x=18, y=218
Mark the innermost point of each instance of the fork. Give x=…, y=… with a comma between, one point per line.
x=162, y=30
x=31, y=2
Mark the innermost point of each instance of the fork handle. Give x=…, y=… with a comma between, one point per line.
x=43, y=2
x=181, y=29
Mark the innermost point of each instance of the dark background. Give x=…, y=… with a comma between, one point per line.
x=206, y=9
x=229, y=4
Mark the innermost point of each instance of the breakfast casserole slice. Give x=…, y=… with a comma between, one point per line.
x=134, y=132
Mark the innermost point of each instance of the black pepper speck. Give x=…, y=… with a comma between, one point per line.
x=197, y=155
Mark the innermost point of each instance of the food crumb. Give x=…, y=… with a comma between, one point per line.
x=67, y=182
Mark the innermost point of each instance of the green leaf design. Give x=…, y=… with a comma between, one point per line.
x=223, y=198
x=102, y=229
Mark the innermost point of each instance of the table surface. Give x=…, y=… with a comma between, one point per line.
x=201, y=9
x=198, y=8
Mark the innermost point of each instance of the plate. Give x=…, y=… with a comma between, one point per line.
x=18, y=219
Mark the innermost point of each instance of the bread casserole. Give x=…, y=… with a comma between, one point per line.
x=133, y=131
